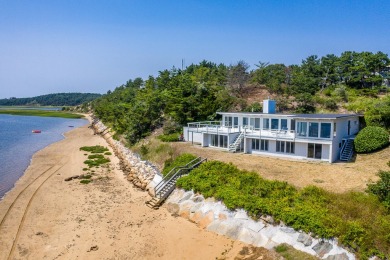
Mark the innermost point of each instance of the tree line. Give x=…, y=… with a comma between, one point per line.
x=57, y=99
x=178, y=96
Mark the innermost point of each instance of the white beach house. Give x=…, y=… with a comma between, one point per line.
x=326, y=137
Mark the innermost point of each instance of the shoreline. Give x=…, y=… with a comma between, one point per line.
x=45, y=217
x=63, y=135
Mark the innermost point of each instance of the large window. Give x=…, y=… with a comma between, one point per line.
x=325, y=130
x=260, y=145
x=274, y=124
x=285, y=147
x=314, y=151
x=219, y=141
x=228, y=121
x=245, y=121
x=313, y=129
x=235, y=119
x=265, y=123
x=257, y=123
x=302, y=129
x=283, y=124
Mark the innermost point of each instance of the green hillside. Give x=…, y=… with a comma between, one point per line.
x=58, y=99
x=354, y=81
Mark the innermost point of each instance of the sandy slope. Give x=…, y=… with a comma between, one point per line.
x=45, y=217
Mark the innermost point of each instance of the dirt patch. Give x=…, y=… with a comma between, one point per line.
x=336, y=177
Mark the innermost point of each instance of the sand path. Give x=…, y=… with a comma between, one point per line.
x=45, y=217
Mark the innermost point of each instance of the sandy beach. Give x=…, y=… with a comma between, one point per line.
x=46, y=217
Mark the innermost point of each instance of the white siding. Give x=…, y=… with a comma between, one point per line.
x=192, y=136
x=325, y=152
x=301, y=149
x=206, y=140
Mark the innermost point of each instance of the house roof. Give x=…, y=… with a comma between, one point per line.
x=295, y=116
x=323, y=116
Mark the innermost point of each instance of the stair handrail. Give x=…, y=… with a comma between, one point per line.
x=343, y=147
x=178, y=174
x=172, y=173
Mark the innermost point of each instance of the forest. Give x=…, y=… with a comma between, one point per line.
x=352, y=82
x=58, y=99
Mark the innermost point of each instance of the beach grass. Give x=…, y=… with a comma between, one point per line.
x=44, y=113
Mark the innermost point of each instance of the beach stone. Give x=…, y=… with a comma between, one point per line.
x=241, y=215
x=260, y=240
x=268, y=219
x=287, y=230
x=198, y=198
x=222, y=216
x=195, y=207
x=173, y=208
x=206, y=220
x=255, y=226
x=185, y=208
x=305, y=239
x=322, y=248
x=72, y=177
x=245, y=235
x=196, y=217
x=186, y=196
x=342, y=256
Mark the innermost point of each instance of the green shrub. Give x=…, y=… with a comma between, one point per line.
x=95, y=156
x=330, y=104
x=169, y=137
x=85, y=181
x=311, y=209
x=107, y=153
x=181, y=160
x=371, y=139
x=381, y=188
x=96, y=162
x=94, y=149
x=144, y=150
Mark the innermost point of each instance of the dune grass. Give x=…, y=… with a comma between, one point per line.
x=35, y=112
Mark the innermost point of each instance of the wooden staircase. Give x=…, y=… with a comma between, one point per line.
x=165, y=187
x=346, y=152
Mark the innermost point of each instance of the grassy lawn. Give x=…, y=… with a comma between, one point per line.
x=35, y=112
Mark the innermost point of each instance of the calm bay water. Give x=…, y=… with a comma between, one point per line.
x=18, y=143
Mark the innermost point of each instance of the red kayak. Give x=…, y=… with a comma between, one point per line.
x=36, y=131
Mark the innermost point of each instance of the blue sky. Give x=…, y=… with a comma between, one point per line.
x=94, y=46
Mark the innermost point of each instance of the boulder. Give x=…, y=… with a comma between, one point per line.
x=222, y=216
x=173, y=208
x=198, y=198
x=186, y=196
x=342, y=256
x=196, y=217
x=305, y=239
x=207, y=219
x=322, y=248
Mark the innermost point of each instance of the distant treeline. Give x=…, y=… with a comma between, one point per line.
x=58, y=99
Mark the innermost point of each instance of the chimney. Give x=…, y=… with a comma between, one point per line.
x=269, y=106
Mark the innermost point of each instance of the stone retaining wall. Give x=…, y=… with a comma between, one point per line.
x=139, y=172
x=214, y=216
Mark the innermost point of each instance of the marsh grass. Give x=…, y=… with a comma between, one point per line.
x=85, y=181
x=94, y=149
x=44, y=113
x=290, y=253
